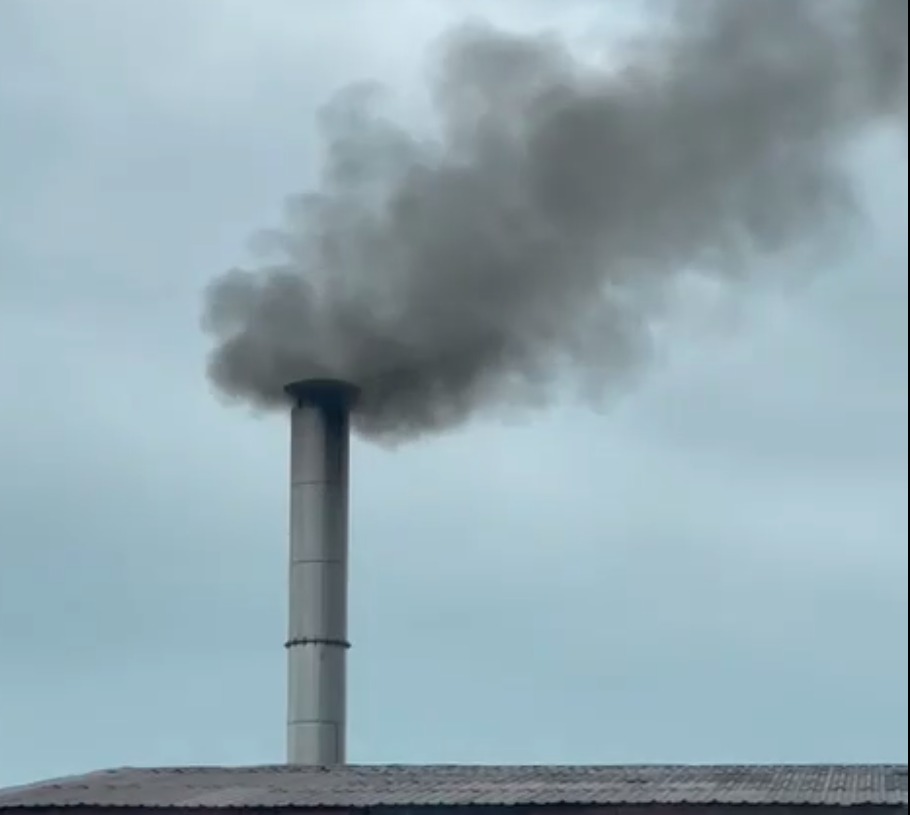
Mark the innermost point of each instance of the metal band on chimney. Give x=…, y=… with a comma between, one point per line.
x=317, y=641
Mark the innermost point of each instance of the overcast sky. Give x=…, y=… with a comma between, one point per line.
x=711, y=570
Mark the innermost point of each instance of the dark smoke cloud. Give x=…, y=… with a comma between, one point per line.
x=528, y=238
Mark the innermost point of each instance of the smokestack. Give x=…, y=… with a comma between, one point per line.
x=317, y=634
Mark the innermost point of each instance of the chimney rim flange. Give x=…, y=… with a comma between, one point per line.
x=323, y=392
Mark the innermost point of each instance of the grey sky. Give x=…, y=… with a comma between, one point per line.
x=711, y=570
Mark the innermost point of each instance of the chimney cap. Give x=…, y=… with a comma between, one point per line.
x=323, y=392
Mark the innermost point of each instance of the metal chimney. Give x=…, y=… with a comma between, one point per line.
x=317, y=636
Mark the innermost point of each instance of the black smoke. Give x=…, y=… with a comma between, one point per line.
x=526, y=239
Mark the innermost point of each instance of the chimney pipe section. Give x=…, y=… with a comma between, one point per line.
x=317, y=632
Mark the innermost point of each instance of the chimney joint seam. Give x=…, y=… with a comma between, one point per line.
x=316, y=641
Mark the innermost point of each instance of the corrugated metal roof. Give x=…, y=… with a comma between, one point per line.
x=375, y=786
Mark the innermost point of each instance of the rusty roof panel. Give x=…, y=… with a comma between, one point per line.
x=373, y=786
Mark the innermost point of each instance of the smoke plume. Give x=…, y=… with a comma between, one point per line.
x=525, y=240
